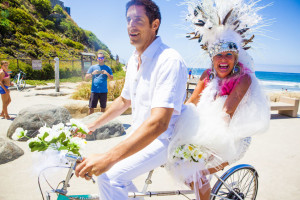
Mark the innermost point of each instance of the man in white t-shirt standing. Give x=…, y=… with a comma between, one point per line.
x=155, y=88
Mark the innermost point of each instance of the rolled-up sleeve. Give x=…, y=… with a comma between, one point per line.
x=126, y=89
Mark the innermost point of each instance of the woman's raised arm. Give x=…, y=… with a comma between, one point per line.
x=237, y=95
x=195, y=97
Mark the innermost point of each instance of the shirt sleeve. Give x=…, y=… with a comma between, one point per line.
x=110, y=71
x=170, y=89
x=126, y=89
x=90, y=70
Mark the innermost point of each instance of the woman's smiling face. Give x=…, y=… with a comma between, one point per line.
x=224, y=63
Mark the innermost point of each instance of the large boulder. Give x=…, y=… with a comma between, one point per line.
x=112, y=129
x=34, y=117
x=9, y=151
x=80, y=110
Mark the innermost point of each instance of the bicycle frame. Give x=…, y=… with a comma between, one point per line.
x=62, y=193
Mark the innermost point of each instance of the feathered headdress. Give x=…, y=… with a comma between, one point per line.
x=223, y=25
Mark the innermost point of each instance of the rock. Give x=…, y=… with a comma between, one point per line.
x=9, y=151
x=80, y=110
x=111, y=129
x=34, y=117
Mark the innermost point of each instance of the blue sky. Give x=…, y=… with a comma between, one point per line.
x=106, y=19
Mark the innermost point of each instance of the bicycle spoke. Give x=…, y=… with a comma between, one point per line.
x=242, y=181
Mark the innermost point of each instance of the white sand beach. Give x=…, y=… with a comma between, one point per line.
x=275, y=154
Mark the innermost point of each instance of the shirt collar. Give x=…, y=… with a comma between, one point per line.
x=151, y=49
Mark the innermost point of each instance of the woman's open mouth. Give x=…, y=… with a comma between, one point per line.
x=223, y=66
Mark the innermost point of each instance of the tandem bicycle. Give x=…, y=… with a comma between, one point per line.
x=238, y=183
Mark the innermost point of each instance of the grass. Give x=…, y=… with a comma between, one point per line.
x=117, y=76
x=83, y=91
x=44, y=82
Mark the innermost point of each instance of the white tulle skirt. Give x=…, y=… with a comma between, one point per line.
x=220, y=138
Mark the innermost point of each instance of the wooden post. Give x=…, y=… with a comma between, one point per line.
x=56, y=59
x=18, y=64
x=82, y=68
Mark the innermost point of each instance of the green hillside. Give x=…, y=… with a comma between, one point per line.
x=36, y=30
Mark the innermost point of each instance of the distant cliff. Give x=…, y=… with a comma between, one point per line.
x=42, y=29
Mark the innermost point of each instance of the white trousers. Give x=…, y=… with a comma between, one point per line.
x=117, y=182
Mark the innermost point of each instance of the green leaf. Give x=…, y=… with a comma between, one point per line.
x=44, y=136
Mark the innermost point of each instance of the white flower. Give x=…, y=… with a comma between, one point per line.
x=53, y=134
x=19, y=133
x=58, y=127
x=191, y=153
x=78, y=141
x=79, y=125
x=36, y=139
x=44, y=130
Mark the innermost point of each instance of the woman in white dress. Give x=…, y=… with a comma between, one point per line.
x=227, y=106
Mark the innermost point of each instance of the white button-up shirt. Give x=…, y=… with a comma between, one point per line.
x=160, y=81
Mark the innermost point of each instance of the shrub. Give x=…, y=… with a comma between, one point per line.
x=5, y=24
x=9, y=51
x=14, y=3
x=20, y=17
x=42, y=6
x=48, y=24
x=115, y=89
x=48, y=72
x=10, y=42
x=117, y=67
x=73, y=44
x=72, y=31
x=58, y=9
x=83, y=92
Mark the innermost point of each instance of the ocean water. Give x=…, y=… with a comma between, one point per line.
x=270, y=81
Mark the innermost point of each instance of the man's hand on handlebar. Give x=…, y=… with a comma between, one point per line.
x=95, y=164
x=76, y=133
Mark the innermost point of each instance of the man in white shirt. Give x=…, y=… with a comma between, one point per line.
x=155, y=88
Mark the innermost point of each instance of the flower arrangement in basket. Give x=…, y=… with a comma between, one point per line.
x=59, y=138
x=189, y=153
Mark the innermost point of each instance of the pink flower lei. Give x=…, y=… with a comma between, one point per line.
x=228, y=84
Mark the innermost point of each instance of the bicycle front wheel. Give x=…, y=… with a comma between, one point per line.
x=21, y=85
x=242, y=179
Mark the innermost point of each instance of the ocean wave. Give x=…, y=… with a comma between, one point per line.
x=280, y=83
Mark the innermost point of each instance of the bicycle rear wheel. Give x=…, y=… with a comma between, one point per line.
x=21, y=84
x=15, y=81
x=243, y=179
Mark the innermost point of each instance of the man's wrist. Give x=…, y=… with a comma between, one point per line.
x=111, y=157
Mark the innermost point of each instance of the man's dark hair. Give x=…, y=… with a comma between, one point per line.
x=152, y=10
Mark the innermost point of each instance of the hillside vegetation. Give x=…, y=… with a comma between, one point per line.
x=33, y=29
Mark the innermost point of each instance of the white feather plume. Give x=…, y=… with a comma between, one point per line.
x=235, y=18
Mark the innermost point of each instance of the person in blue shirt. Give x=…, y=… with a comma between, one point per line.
x=99, y=74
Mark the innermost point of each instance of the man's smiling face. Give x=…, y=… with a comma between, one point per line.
x=141, y=32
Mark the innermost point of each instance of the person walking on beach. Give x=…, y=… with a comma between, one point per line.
x=155, y=88
x=99, y=74
x=4, y=91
